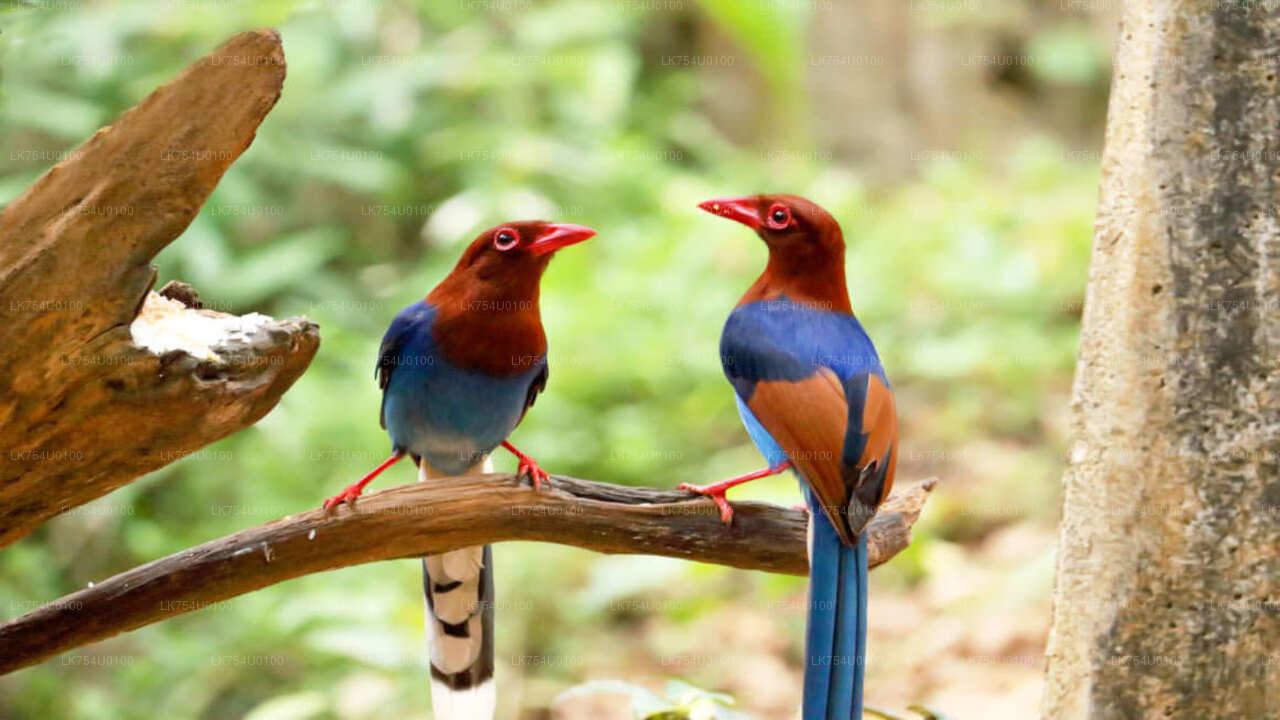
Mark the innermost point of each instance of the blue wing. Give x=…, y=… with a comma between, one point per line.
x=405, y=327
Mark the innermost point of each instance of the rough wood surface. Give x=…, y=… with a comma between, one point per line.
x=434, y=517
x=1167, y=602
x=82, y=409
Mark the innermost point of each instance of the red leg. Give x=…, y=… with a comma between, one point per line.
x=353, y=491
x=528, y=466
x=716, y=491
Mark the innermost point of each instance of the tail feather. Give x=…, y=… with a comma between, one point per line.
x=835, y=647
x=458, y=586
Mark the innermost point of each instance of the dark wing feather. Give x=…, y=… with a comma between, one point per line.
x=871, y=448
x=538, y=385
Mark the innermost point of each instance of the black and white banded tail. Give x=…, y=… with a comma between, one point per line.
x=459, y=591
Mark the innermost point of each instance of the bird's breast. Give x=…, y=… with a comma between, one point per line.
x=452, y=416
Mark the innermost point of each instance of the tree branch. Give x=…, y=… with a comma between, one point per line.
x=423, y=518
x=87, y=401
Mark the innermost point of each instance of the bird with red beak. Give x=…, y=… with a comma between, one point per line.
x=815, y=399
x=458, y=371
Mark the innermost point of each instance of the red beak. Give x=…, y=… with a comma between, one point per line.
x=741, y=209
x=557, y=235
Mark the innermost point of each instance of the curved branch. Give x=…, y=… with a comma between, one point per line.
x=423, y=518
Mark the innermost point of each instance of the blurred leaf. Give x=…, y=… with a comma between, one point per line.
x=681, y=701
x=1068, y=54
x=928, y=714
x=288, y=261
x=298, y=706
x=644, y=703
x=770, y=33
x=66, y=116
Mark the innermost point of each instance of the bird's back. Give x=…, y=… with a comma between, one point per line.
x=783, y=340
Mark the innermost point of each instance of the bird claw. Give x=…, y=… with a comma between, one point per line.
x=353, y=491
x=346, y=496
x=528, y=467
x=715, y=493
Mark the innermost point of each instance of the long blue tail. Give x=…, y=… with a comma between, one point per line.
x=836, y=642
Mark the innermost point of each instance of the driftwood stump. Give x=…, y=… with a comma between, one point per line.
x=84, y=406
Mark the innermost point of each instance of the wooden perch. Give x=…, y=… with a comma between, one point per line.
x=434, y=517
x=84, y=406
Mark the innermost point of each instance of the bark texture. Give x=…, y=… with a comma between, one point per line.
x=83, y=409
x=435, y=517
x=1168, y=588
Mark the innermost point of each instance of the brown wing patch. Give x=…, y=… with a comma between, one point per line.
x=880, y=424
x=809, y=420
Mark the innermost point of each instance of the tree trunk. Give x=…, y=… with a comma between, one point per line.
x=1168, y=587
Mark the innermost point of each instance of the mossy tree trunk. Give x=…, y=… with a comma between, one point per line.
x=1168, y=589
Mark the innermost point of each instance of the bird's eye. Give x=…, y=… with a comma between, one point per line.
x=779, y=217
x=505, y=239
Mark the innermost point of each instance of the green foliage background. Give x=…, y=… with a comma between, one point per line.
x=404, y=128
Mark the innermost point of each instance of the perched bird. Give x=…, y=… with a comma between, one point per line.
x=458, y=371
x=814, y=398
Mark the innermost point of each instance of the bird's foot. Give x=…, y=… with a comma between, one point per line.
x=353, y=491
x=346, y=496
x=801, y=506
x=528, y=467
x=715, y=491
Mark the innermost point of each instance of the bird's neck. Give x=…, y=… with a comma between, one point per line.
x=818, y=282
x=491, y=327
